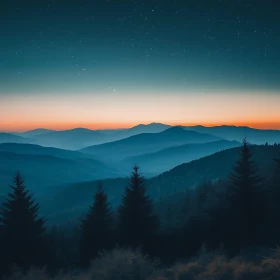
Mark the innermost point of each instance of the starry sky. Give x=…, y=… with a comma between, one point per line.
x=117, y=63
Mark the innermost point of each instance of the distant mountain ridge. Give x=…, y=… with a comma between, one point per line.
x=34, y=132
x=79, y=138
x=237, y=133
x=69, y=139
x=147, y=142
x=44, y=168
x=169, y=158
x=11, y=138
x=31, y=149
x=213, y=167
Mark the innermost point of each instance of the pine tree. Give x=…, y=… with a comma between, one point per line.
x=246, y=200
x=137, y=222
x=22, y=231
x=96, y=228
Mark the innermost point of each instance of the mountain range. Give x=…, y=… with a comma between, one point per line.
x=166, y=159
x=79, y=138
x=11, y=138
x=146, y=143
x=44, y=168
x=237, y=133
x=64, y=166
x=74, y=199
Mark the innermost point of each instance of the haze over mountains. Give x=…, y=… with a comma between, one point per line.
x=79, y=138
x=155, y=147
x=11, y=138
x=237, y=133
x=169, y=158
x=44, y=168
x=65, y=165
x=147, y=142
x=73, y=199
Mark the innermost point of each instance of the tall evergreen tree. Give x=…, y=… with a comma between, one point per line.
x=22, y=231
x=246, y=207
x=137, y=222
x=96, y=228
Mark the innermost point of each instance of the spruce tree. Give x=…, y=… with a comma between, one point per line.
x=96, y=228
x=246, y=199
x=137, y=222
x=22, y=231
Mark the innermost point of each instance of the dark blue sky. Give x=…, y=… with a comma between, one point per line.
x=138, y=48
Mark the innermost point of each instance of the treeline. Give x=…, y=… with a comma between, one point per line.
x=233, y=214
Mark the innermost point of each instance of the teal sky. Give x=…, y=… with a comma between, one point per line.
x=127, y=56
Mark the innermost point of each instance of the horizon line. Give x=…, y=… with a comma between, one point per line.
x=261, y=126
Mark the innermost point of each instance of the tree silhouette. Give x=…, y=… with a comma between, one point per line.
x=21, y=229
x=96, y=228
x=137, y=222
x=246, y=205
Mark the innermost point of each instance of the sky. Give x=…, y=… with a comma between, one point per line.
x=118, y=63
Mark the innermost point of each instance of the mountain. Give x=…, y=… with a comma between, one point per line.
x=158, y=162
x=147, y=128
x=72, y=200
x=45, y=168
x=72, y=139
x=11, y=138
x=237, y=133
x=146, y=143
x=34, y=132
x=31, y=149
x=79, y=138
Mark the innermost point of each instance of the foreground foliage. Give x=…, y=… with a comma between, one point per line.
x=126, y=264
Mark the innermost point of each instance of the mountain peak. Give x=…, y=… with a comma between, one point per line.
x=175, y=129
x=151, y=124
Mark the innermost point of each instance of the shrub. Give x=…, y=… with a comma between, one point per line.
x=120, y=264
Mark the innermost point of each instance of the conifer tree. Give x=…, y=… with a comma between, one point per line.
x=96, y=228
x=246, y=207
x=22, y=231
x=137, y=222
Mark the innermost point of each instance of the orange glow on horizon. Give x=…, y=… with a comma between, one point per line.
x=21, y=113
x=99, y=126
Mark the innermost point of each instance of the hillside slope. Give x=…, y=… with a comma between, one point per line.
x=146, y=143
x=43, y=172
x=237, y=133
x=11, y=138
x=169, y=158
x=73, y=199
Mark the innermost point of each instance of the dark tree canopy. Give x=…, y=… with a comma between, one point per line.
x=96, y=228
x=137, y=221
x=246, y=197
x=21, y=229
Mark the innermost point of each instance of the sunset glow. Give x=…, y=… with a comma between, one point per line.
x=136, y=67
x=121, y=110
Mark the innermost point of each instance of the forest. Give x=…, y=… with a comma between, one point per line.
x=222, y=229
